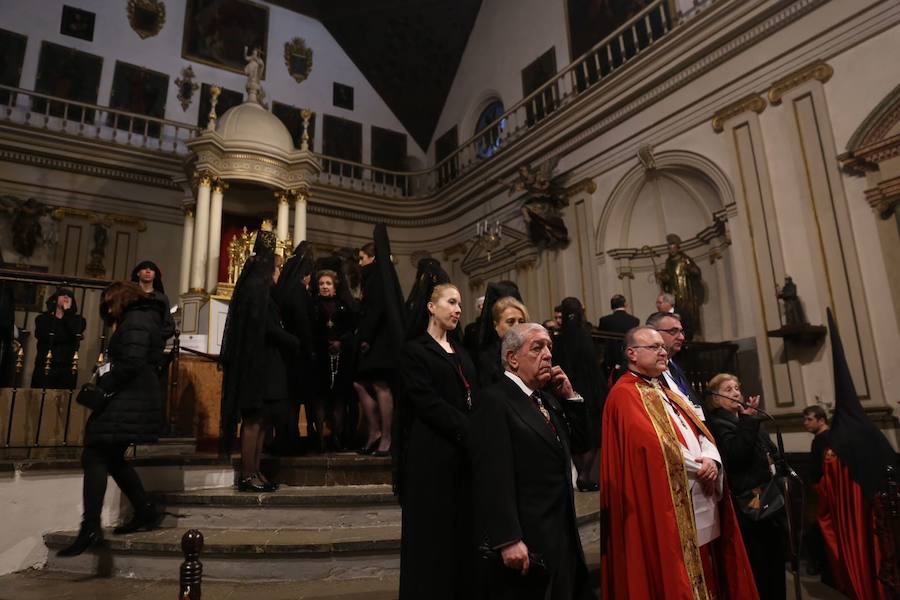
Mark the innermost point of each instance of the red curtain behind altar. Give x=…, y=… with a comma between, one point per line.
x=232, y=225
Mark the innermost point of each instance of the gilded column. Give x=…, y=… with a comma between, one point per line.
x=201, y=233
x=284, y=211
x=187, y=240
x=215, y=233
x=300, y=199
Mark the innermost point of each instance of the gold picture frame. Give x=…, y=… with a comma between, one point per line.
x=298, y=58
x=216, y=32
x=146, y=17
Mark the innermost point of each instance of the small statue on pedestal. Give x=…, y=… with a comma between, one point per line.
x=254, y=71
x=793, y=310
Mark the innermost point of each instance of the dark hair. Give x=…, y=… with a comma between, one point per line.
x=654, y=319
x=617, y=301
x=368, y=248
x=118, y=296
x=817, y=411
x=557, y=308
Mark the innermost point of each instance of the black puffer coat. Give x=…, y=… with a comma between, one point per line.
x=134, y=412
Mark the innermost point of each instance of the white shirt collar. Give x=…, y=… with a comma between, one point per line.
x=518, y=381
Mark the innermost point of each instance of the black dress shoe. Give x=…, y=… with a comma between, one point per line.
x=382, y=453
x=370, y=448
x=586, y=486
x=270, y=486
x=147, y=518
x=247, y=484
x=87, y=538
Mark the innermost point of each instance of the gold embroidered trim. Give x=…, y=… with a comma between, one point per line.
x=678, y=486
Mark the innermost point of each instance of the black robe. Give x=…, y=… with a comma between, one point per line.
x=437, y=551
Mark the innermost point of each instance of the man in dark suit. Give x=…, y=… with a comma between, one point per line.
x=522, y=439
x=618, y=321
x=669, y=326
x=666, y=303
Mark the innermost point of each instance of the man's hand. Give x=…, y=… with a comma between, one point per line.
x=560, y=384
x=515, y=557
x=707, y=475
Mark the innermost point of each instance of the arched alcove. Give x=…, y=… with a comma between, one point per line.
x=673, y=192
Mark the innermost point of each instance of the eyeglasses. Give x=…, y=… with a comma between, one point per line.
x=673, y=331
x=658, y=348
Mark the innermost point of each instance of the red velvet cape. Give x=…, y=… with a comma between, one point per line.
x=645, y=554
x=848, y=528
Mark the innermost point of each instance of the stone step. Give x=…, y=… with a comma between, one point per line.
x=268, y=554
x=167, y=446
x=292, y=507
x=328, y=469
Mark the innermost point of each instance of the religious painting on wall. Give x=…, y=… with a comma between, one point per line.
x=444, y=146
x=70, y=74
x=12, y=53
x=388, y=152
x=141, y=91
x=290, y=116
x=342, y=138
x=227, y=99
x=77, y=23
x=216, y=32
x=539, y=72
x=342, y=96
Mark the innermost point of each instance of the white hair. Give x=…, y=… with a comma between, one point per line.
x=515, y=338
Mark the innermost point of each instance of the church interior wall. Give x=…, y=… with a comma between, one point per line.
x=115, y=40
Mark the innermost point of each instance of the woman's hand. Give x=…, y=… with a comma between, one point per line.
x=752, y=404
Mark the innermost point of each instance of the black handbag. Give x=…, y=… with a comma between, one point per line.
x=762, y=502
x=92, y=396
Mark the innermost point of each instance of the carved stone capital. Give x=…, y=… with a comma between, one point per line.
x=219, y=185
x=586, y=186
x=753, y=102
x=203, y=178
x=282, y=196
x=300, y=196
x=818, y=70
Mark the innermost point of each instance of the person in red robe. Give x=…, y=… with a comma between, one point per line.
x=853, y=469
x=660, y=537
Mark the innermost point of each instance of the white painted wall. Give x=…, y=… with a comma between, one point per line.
x=115, y=40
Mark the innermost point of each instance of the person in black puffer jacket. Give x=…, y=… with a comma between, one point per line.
x=131, y=415
x=747, y=453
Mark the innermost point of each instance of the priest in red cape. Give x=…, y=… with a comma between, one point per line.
x=853, y=471
x=668, y=529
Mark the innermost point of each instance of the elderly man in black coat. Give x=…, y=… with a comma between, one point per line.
x=522, y=439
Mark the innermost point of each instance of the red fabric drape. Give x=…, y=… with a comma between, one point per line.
x=232, y=225
x=848, y=527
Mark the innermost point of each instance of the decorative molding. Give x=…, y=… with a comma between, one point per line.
x=753, y=102
x=203, y=178
x=86, y=168
x=586, y=186
x=885, y=197
x=819, y=70
x=146, y=17
x=107, y=219
x=877, y=123
x=866, y=159
x=187, y=87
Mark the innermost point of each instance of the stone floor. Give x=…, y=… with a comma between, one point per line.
x=40, y=585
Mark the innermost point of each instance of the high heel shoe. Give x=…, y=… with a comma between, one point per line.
x=247, y=484
x=584, y=485
x=365, y=450
x=87, y=538
x=382, y=453
x=148, y=518
x=270, y=486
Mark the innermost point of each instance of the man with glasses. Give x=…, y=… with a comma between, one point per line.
x=668, y=526
x=671, y=329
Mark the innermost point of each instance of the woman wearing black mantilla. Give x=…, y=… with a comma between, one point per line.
x=437, y=549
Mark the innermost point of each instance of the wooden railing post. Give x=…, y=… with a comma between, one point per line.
x=191, y=574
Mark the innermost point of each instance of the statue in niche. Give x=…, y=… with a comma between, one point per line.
x=542, y=206
x=25, y=223
x=101, y=237
x=254, y=70
x=681, y=277
x=793, y=310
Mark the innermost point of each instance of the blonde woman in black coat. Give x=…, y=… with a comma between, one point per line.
x=437, y=549
x=132, y=412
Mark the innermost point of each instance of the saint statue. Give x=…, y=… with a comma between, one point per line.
x=254, y=70
x=681, y=277
x=793, y=310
